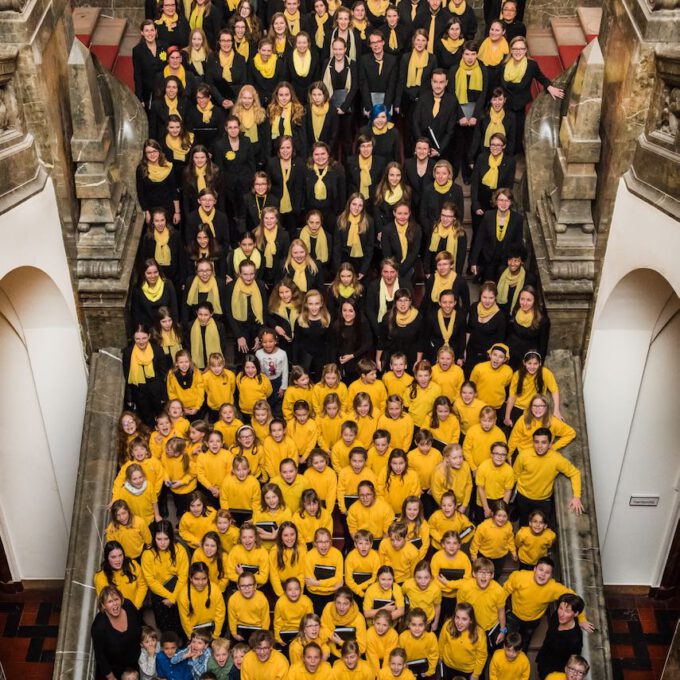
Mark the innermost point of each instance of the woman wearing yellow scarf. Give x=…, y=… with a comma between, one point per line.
x=154, y=291
x=316, y=239
x=148, y=58
x=206, y=336
x=197, y=52
x=401, y=240
x=144, y=375
x=354, y=237
x=401, y=331
x=396, y=34
x=205, y=119
x=324, y=185
x=286, y=116
x=201, y=287
x=156, y=186
x=173, y=28
x=172, y=103
x=446, y=325
x=280, y=35
x=345, y=285
x=226, y=70
x=252, y=118
x=302, y=64
x=444, y=277
x=414, y=73
x=321, y=121
x=513, y=279
x=287, y=174
x=267, y=70
x=528, y=327
x=436, y=194
x=497, y=119
x=258, y=198
x=162, y=243
x=285, y=303
x=273, y=242
x=365, y=169
x=391, y=189
x=448, y=235
x=494, y=49
x=449, y=48
x=301, y=268
x=386, y=139
x=486, y=326
x=516, y=78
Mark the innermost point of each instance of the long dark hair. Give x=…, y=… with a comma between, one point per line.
x=164, y=527
x=109, y=547
x=280, y=563
x=348, y=337
x=522, y=373
x=219, y=555
x=198, y=568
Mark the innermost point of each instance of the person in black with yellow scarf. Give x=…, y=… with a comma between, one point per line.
x=175, y=67
x=436, y=194
x=449, y=48
x=444, y=277
x=287, y=173
x=267, y=69
x=206, y=17
x=447, y=235
x=401, y=240
x=513, y=278
x=200, y=173
x=434, y=19
x=171, y=102
x=435, y=114
x=286, y=117
x=201, y=287
x=354, y=237
x=395, y=33
x=446, y=325
x=246, y=299
x=205, y=336
x=528, y=327
x=302, y=65
x=401, y=331
x=163, y=244
x=173, y=28
x=365, y=169
x=325, y=185
x=496, y=119
x=273, y=243
x=176, y=143
x=154, y=291
x=314, y=236
x=465, y=12
x=226, y=71
x=301, y=267
x=208, y=215
x=486, y=326
x=259, y=198
x=321, y=120
x=148, y=59
x=205, y=119
x=156, y=186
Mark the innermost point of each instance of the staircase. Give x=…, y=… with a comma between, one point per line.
x=110, y=39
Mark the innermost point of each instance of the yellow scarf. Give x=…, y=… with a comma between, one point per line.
x=361, y=26
x=197, y=57
x=207, y=218
x=439, y=234
x=197, y=286
x=431, y=32
x=171, y=343
x=403, y=319
x=293, y=21
x=458, y=10
x=393, y=43
x=365, y=175
x=452, y=45
x=269, y=246
x=285, y=206
x=162, y=251
x=172, y=106
x=232, y=4
x=285, y=115
x=446, y=332
x=299, y=275
x=157, y=173
x=320, y=193
x=416, y=66
x=403, y=241
x=508, y=281
x=383, y=131
x=384, y=297
x=200, y=174
x=212, y=342
x=501, y=228
x=523, y=318
x=492, y=53
x=474, y=82
x=196, y=17
x=226, y=62
x=378, y=7
x=320, y=33
x=484, y=313
x=346, y=291
x=321, y=250
x=287, y=311
x=243, y=48
x=170, y=22
x=490, y=178
x=514, y=71
x=154, y=294
x=266, y=69
x=181, y=74
x=443, y=188
x=495, y=125
x=318, y=118
x=333, y=5
x=240, y=256
x=393, y=196
x=239, y=301
x=280, y=45
x=179, y=153
x=141, y=365
x=206, y=113
x=442, y=283
x=302, y=63
x=353, y=237
x=248, y=125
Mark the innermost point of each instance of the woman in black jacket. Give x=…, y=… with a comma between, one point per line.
x=156, y=186
x=205, y=118
x=358, y=178
x=401, y=331
x=380, y=294
x=486, y=326
x=324, y=185
x=528, y=327
x=312, y=335
x=163, y=244
x=447, y=235
x=273, y=243
x=302, y=66
x=225, y=71
x=153, y=292
x=446, y=325
x=354, y=237
x=321, y=120
x=401, y=241
x=254, y=202
x=199, y=173
x=352, y=339
x=171, y=102
x=287, y=174
x=147, y=63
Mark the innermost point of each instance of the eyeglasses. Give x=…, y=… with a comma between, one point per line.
x=518, y=49
x=576, y=671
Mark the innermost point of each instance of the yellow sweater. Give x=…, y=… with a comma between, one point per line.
x=424, y=647
x=492, y=383
x=295, y=649
x=440, y=560
x=257, y=557
x=219, y=389
x=305, y=436
x=279, y=516
x=377, y=462
x=340, y=453
x=461, y=484
x=367, y=426
x=320, y=391
x=420, y=405
x=396, y=385
x=134, y=591
x=468, y=414
x=501, y=668
x=180, y=427
x=428, y=600
x=375, y=519
x=293, y=394
x=423, y=534
x=141, y=504
x=461, y=652
x=159, y=569
x=192, y=529
x=375, y=592
x=153, y=469
x=308, y=524
x=477, y=444
x=261, y=429
x=529, y=387
x=485, y=601
x=211, y=563
x=251, y=390
x=228, y=430
x=288, y=614
x=157, y=443
x=450, y=380
x=424, y=465
x=536, y=474
x=348, y=484
x=400, y=429
x=277, y=575
x=202, y=613
x=378, y=647
x=333, y=558
x=439, y=525
x=495, y=479
x=239, y=495
x=253, y=611
x=329, y=431
x=363, y=671
x=213, y=468
x=400, y=488
x=325, y=484
x=228, y=538
x=193, y=396
x=376, y=391
x=175, y=472
x=355, y=563
x=522, y=434
x=386, y=674
x=403, y=561
x=299, y=672
x=254, y=456
x=275, y=668
x=292, y=493
x=275, y=452
x=330, y=620
x=448, y=430
x=531, y=547
x=493, y=541
x=132, y=537
x=529, y=600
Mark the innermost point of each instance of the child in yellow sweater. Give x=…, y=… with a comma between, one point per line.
x=361, y=564
x=322, y=478
x=453, y=474
x=368, y=382
x=510, y=662
x=381, y=641
x=252, y=384
x=219, y=384
x=329, y=422
x=185, y=383
x=534, y=541
x=397, y=422
x=494, y=539
x=247, y=609
x=303, y=430
x=299, y=387
x=228, y=424
x=397, y=379
x=424, y=459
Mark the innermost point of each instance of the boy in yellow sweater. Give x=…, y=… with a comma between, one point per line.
x=341, y=449
x=480, y=437
x=362, y=564
x=277, y=447
x=494, y=376
x=396, y=380
x=398, y=553
x=219, y=384
x=495, y=480
x=510, y=663
x=368, y=382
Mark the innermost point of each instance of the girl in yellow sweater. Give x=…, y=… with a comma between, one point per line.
x=424, y=460
x=180, y=473
x=252, y=384
x=226, y=530
x=270, y=514
x=261, y=419
x=138, y=494
x=311, y=516
x=185, y=383
x=240, y=491
x=249, y=446
x=322, y=478
x=330, y=421
x=291, y=606
x=323, y=570
x=286, y=559
x=494, y=539
x=248, y=609
x=381, y=639
x=424, y=592
x=161, y=435
x=397, y=482
x=398, y=422
x=413, y=515
x=453, y=474
x=139, y=453
x=419, y=398
x=420, y=644
x=462, y=645
x=180, y=425
x=119, y=570
x=210, y=552
x=444, y=425
x=212, y=467
x=343, y=613
x=351, y=666
x=449, y=519
x=201, y=602
x=248, y=557
x=130, y=426
x=467, y=406
x=330, y=383
x=310, y=632
x=540, y=414
x=303, y=430
x=396, y=668
x=450, y=566
x=197, y=520
x=299, y=387
x=385, y=594
x=198, y=432
x=129, y=530
x=362, y=414
x=228, y=424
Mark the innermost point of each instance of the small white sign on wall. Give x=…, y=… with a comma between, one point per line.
x=644, y=501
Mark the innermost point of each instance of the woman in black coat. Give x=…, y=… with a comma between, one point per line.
x=287, y=171
x=321, y=120
x=147, y=63
x=312, y=334
x=116, y=634
x=446, y=325
x=156, y=187
x=163, y=244
x=486, y=326
x=380, y=294
x=352, y=339
x=401, y=331
x=225, y=83
x=297, y=72
x=528, y=327
x=496, y=119
x=254, y=202
x=401, y=240
x=171, y=101
x=354, y=237
x=324, y=185
x=205, y=118
x=153, y=292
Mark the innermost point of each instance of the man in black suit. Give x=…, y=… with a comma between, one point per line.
x=435, y=114
x=377, y=74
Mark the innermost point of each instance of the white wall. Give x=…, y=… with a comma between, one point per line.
x=630, y=391
x=44, y=389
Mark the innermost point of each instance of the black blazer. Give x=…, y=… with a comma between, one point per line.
x=461, y=253
x=178, y=36
x=354, y=173
x=386, y=145
x=159, y=114
x=146, y=67
x=446, y=59
x=237, y=173
x=487, y=249
x=265, y=86
x=432, y=202
x=142, y=310
x=299, y=138
x=220, y=223
x=156, y=194
x=412, y=93
x=372, y=303
x=314, y=280
x=416, y=182
x=440, y=23
x=301, y=83
x=271, y=275
x=188, y=312
x=170, y=271
x=476, y=96
x=442, y=126
x=460, y=288
x=519, y=94
x=308, y=24
x=402, y=33
x=190, y=83
x=391, y=247
x=457, y=340
x=296, y=181
x=252, y=210
x=483, y=335
x=410, y=339
x=202, y=348
x=341, y=251
x=469, y=22
x=371, y=81
x=249, y=328
x=329, y=129
x=339, y=81
x=520, y=339
x=205, y=133
x=336, y=192
x=480, y=194
x=406, y=19
x=114, y=651
x=510, y=125
x=220, y=88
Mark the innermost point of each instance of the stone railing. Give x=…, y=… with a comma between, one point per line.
x=74, y=659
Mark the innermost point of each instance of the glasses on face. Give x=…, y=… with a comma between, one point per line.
x=264, y=648
x=576, y=671
x=502, y=199
x=518, y=49
x=375, y=42
x=366, y=495
x=496, y=146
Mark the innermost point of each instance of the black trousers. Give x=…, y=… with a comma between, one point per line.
x=526, y=506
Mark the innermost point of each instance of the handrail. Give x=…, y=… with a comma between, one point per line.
x=96, y=471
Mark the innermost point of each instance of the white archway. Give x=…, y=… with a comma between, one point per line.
x=630, y=394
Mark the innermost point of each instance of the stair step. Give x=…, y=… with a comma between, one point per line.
x=123, y=69
x=106, y=40
x=84, y=22
x=543, y=48
x=590, y=19
x=569, y=37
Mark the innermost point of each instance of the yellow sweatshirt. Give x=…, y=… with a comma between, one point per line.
x=320, y=391
x=261, y=430
x=228, y=430
x=376, y=391
x=450, y=380
x=420, y=406
x=396, y=385
x=448, y=430
x=153, y=469
x=134, y=591
x=501, y=668
x=493, y=541
x=424, y=465
x=254, y=455
x=251, y=390
x=375, y=519
x=423, y=534
x=275, y=452
x=348, y=484
x=440, y=524
x=485, y=601
x=403, y=561
x=193, y=396
x=386, y=674
x=159, y=569
x=428, y=600
x=253, y=611
x=279, y=516
x=325, y=484
x=478, y=442
x=367, y=426
x=239, y=495
x=278, y=575
x=257, y=557
x=378, y=647
x=340, y=453
x=399, y=489
x=330, y=620
x=400, y=429
x=192, y=529
x=180, y=427
x=211, y=563
x=363, y=671
x=333, y=558
x=529, y=600
x=293, y=394
x=495, y=479
x=424, y=647
x=375, y=592
x=213, y=468
x=308, y=524
x=468, y=414
x=356, y=564
x=529, y=387
x=492, y=383
x=536, y=474
x=228, y=538
x=329, y=431
x=305, y=436
x=377, y=462
x=299, y=672
x=202, y=613
x=461, y=652
x=275, y=668
x=461, y=484
x=440, y=560
x=219, y=389
x=531, y=547
x=157, y=443
x=522, y=434
x=295, y=649
x=292, y=493
x=288, y=614
x=141, y=504
x=175, y=472
x=132, y=537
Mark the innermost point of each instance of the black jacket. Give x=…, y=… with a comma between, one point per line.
x=439, y=129
x=519, y=94
x=222, y=89
x=487, y=249
x=296, y=181
x=354, y=173
x=480, y=194
x=412, y=94
x=391, y=247
x=146, y=68
x=384, y=82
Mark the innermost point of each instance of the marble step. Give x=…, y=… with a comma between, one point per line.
x=106, y=40
x=122, y=68
x=569, y=37
x=590, y=19
x=84, y=22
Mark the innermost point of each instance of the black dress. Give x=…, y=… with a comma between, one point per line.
x=490, y=254
x=152, y=194
x=521, y=339
x=116, y=651
x=237, y=169
x=342, y=250
x=391, y=247
x=150, y=396
x=310, y=347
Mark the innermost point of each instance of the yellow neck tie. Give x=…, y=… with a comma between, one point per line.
x=430, y=38
x=393, y=45
x=435, y=106
x=380, y=65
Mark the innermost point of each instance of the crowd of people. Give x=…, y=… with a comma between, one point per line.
x=370, y=490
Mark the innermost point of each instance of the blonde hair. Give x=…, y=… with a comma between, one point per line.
x=309, y=262
x=303, y=319
x=260, y=113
